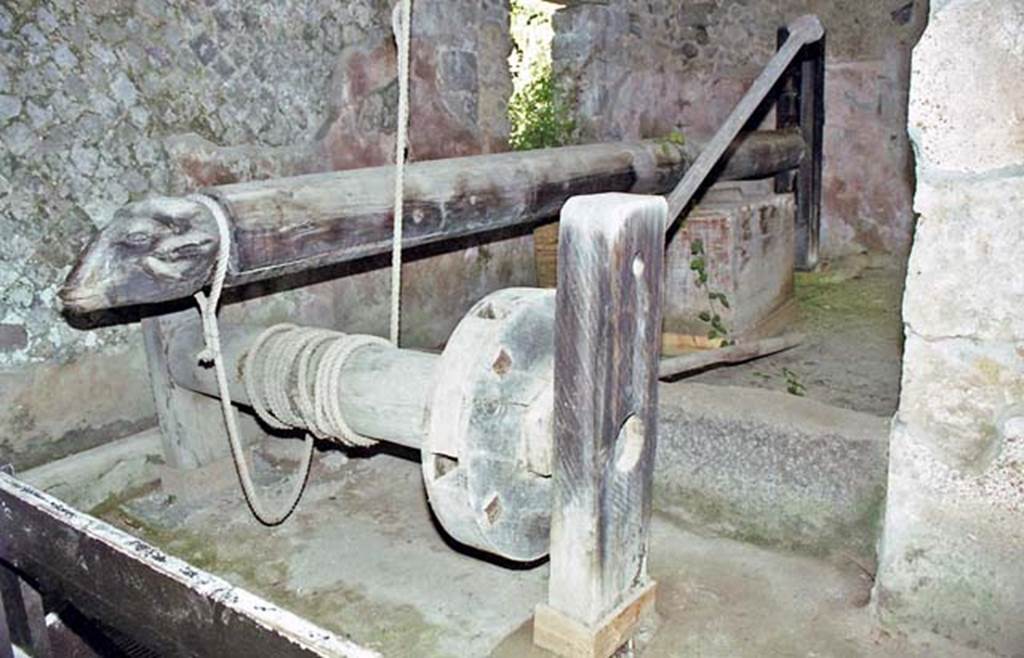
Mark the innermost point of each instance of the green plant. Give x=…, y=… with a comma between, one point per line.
x=539, y=111
x=540, y=115
x=716, y=300
x=793, y=385
x=674, y=138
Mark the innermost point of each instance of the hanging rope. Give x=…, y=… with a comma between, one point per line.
x=211, y=354
x=401, y=20
x=285, y=368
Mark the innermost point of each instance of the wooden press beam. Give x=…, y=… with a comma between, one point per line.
x=164, y=249
x=608, y=333
x=153, y=597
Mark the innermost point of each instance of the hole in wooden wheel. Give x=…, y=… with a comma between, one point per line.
x=638, y=266
x=629, y=444
x=443, y=465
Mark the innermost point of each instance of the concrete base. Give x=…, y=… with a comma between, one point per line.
x=362, y=557
x=104, y=474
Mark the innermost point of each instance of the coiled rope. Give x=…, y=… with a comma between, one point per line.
x=277, y=377
x=282, y=354
x=288, y=392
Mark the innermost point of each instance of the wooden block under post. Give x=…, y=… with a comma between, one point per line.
x=567, y=637
x=607, y=340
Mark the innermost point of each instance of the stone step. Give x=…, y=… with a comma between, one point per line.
x=772, y=469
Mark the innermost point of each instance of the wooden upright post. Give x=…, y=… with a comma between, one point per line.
x=608, y=330
x=802, y=105
x=6, y=649
x=25, y=614
x=191, y=424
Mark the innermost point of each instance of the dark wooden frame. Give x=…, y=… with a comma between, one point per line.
x=801, y=105
x=156, y=599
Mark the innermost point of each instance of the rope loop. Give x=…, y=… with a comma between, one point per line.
x=211, y=354
x=286, y=367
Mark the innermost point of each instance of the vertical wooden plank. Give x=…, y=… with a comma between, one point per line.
x=14, y=607
x=812, y=123
x=608, y=330
x=801, y=105
x=191, y=424
x=25, y=614
x=787, y=111
x=38, y=643
x=545, y=254
x=6, y=650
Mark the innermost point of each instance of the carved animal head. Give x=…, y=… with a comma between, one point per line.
x=156, y=250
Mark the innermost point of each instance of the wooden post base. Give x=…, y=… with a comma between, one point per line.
x=559, y=634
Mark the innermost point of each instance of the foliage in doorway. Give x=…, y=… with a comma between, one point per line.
x=539, y=111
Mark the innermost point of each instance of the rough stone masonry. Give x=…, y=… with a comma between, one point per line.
x=953, y=541
x=646, y=67
x=102, y=103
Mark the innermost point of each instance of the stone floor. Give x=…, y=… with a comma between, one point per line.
x=851, y=355
x=363, y=557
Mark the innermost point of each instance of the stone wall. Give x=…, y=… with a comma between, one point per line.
x=102, y=103
x=642, y=68
x=953, y=542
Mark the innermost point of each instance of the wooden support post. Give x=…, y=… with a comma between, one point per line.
x=802, y=105
x=6, y=650
x=191, y=424
x=608, y=331
x=25, y=612
x=802, y=31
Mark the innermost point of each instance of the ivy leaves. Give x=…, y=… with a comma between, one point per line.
x=716, y=300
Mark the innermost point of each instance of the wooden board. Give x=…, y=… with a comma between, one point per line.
x=26, y=615
x=191, y=425
x=567, y=637
x=801, y=106
x=165, y=603
x=545, y=254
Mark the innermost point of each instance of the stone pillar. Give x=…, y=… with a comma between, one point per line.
x=953, y=544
